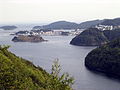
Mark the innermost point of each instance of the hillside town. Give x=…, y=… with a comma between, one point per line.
x=49, y=32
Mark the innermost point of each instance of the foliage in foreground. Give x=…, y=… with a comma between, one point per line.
x=19, y=74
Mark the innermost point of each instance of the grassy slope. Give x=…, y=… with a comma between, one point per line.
x=19, y=74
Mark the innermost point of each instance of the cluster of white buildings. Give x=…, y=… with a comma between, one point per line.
x=106, y=27
x=50, y=32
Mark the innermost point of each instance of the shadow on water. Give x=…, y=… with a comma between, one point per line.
x=105, y=75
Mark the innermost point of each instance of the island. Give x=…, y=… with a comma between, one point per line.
x=105, y=58
x=8, y=27
x=28, y=38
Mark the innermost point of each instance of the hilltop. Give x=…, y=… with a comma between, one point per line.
x=90, y=37
x=58, y=25
x=95, y=37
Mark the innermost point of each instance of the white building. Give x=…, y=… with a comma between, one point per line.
x=104, y=27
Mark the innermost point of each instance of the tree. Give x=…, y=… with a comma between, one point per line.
x=4, y=47
x=56, y=68
x=65, y=78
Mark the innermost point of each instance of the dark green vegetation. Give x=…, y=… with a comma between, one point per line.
x=112, y=34
x=95, y=37
x=105, y=58
x=19, y=74
x=8, y=27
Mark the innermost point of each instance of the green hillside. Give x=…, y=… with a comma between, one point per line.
x=19, y=74
x=105, y=58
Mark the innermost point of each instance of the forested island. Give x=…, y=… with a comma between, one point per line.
x=105, y=58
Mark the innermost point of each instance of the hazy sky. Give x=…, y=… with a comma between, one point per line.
x=45, y=11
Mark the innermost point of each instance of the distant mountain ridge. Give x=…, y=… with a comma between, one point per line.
x=59, y=25
x=83, y=25
x=88, y=24
x=70, y=25
x=113, y=22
